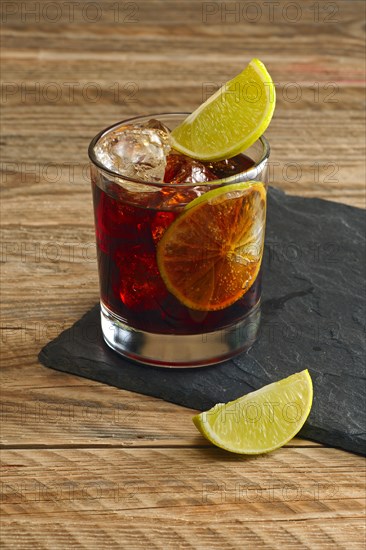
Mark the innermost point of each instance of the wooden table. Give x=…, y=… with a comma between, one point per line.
x=90, y=466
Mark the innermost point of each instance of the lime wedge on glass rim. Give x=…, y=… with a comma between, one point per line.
x=262, y=420
x=232, y=119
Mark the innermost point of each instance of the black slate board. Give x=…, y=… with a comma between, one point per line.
x=313, y=316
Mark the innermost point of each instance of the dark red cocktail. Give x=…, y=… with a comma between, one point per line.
x=161, y=299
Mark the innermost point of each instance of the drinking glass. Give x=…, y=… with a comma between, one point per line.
x=141, y=318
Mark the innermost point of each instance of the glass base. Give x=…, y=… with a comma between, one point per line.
x=180, y=350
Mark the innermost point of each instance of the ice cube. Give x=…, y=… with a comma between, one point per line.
x=183, y=169
x=230, y=167
x=160, y=224
x=136, y=151
x=155, y=124
x=141, y=286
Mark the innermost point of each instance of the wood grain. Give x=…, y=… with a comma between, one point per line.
x=90, y=466
x=221, y=499
x=184, y=483
x=63, y=410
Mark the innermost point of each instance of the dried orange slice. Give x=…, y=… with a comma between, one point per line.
x=210, y=255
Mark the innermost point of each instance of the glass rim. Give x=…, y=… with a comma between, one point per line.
x=256, y=169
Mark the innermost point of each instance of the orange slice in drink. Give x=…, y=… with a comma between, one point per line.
x=210, y=256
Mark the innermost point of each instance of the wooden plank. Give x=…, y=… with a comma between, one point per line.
x=117, y=530
x=150, y=14
x=183, y=484
x=159, y=20
x=41, y=407
x=182, y=498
